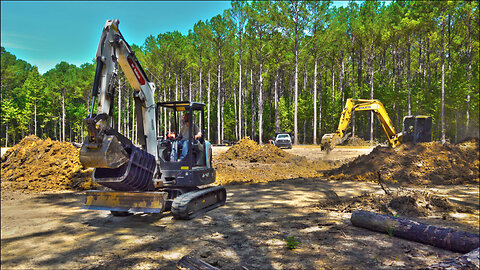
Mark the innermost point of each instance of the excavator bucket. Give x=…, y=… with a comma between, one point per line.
x=329, y=141
x=110, y=154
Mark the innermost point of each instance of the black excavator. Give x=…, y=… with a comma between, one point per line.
x=144, y=178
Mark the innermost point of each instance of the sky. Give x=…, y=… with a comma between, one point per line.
x=44, y=33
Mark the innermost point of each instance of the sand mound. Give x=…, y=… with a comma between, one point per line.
x=249, y=150
x=39, y=165
x=417, y=164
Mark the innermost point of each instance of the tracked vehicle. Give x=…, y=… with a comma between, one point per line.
x=144, y=177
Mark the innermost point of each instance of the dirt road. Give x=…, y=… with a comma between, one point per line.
x=50, y=230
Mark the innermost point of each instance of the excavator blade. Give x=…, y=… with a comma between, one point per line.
x=146, y=202
x=110, y=154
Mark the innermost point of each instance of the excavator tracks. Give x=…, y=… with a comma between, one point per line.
x=194, y=203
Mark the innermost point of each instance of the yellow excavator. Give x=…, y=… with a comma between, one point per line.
x=416, y=128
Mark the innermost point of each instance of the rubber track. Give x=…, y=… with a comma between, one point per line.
x=180, y=204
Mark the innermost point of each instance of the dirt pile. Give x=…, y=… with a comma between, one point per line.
x=401, y=202
x=249, y=150
x=35, y=165
x=357, y=141
x=249, y=162
x=415, y=164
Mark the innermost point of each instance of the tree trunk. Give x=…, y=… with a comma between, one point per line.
x=181, y=85
x=333, y=91
x=176, y=86
x=133, y=122
x=235, y=110
x=6, y=135
x=208, y=106
x=469, y=55
x=119, y=124
x=219, y=84
x=342, y=81
x=63, y=114
x=295, y=121
x=353, y=84
x=252, y=114
x=245, y=97
x=295, y=118
x=315, y=98
x=240, y=86
x=277, y=115
x=370, y=71
x=444, y=238
x=260, y=96
x=442, y=56
x=190, y=88
x=35, y=115
x=200, y=91
x=394, y=74
x=408, y=77
x=320, y=103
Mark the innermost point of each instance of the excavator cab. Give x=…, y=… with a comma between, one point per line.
x=195, y=168
x=417, y=128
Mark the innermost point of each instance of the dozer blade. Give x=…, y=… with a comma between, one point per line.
x=110, y=154
x=146, y=202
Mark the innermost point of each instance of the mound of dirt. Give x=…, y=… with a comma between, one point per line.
x=36, y=165
x=249, y=150
x=401, y=202
x=416, y=164
x=249, y=162
x=356, y=141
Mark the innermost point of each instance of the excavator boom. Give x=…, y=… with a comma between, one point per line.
x=329, y=141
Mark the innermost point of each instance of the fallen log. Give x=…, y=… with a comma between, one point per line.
x=444, y=238
x=466, y=261
x=191, y=263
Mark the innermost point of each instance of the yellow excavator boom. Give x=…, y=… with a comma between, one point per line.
x=330, y=140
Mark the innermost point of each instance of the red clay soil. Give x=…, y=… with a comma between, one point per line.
x=415, y=164
x=36, y=165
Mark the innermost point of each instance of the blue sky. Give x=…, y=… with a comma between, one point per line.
x=46, y=33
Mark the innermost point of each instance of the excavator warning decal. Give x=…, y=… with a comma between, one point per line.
x=139, y=76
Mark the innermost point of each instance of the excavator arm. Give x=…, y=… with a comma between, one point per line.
x=104, y=147
x=329, y=141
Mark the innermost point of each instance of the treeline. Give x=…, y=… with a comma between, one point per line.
x=270, y=66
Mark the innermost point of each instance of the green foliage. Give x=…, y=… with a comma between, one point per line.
x=389, y=45
x=292, y=243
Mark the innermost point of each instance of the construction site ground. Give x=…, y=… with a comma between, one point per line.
x=294, y=201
